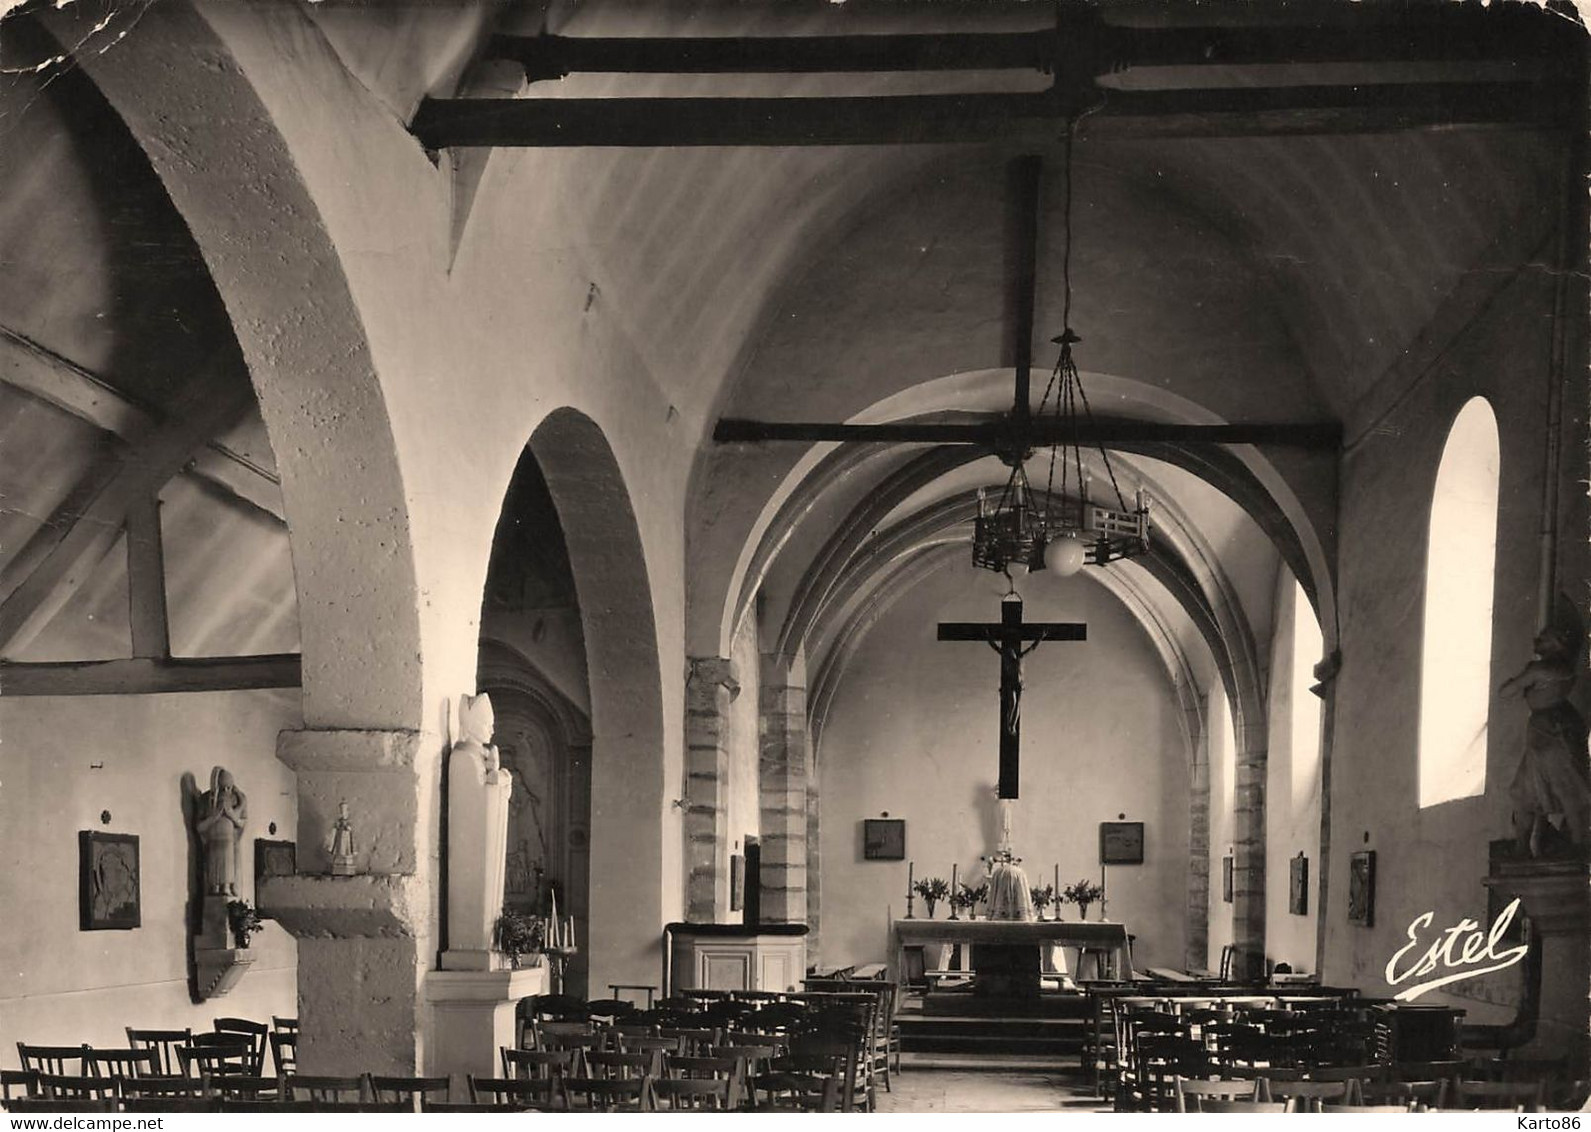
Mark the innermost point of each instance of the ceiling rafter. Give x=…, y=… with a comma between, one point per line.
x=63, y=553
x=46, y=375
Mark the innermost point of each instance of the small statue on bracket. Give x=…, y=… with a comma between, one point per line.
x=1551, y=791
x=223, y=812
x=343, y=860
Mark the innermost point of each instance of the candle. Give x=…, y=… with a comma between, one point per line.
x=911, y=872
x=570, y=943
x=552, y=920
x=954, y=876
x=1057, y=880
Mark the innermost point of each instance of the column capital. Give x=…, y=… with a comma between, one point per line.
x=713, y=672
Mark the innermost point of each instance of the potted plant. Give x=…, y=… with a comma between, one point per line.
x=1083, y=893
x=519, y=933
x=932, y=890
x=244, y=920
x=1043, y=896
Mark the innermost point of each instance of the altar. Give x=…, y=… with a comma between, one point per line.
x=1008, y=938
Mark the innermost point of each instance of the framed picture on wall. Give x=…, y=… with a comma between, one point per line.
x=1226, y=878
x=1121, y=842
x=1298, y=885
x=883, y=839
x=273, y=859
x=108, y=881
x=1362, y=888
x=737, y=882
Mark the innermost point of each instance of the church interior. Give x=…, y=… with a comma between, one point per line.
x=996, y=537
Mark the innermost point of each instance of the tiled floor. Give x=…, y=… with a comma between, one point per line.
x=955, y=1090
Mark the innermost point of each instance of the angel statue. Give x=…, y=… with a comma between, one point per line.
x=1551, y=791
x=223, y=812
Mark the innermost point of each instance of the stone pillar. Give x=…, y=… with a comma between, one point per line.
x=365, y=942
x=814, y=873
x=1325, y=687
x=1248, y=850
x=782, y=790
x=710, y=687
x=1196, y=954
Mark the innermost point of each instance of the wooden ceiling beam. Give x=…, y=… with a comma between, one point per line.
x=42, y=373
x=77, y=543
x=1444, y=34
x=150, y=675
x=1020, y=119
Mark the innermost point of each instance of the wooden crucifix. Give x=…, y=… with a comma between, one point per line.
x=1008, y=637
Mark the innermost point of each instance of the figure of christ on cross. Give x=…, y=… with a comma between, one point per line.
x=1007, y=637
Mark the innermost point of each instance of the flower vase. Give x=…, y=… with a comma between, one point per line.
x=1082, y=910
x=930, y=904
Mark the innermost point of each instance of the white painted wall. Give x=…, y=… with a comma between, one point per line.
x=913, y=731
x=59, y=985
x=1292, y=792
x=1223, y=769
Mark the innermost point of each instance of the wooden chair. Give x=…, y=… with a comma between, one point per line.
x=525, y=1095
x=274, y=1106
x=347, y=1090
x=75, y=1087
x=680, y=1067
x=174, y=1103
x=1427, y=1070
x=1308, y=1096
x=1363, y=1108
x=1425, y=1094
x=611, y=1066
x=243, y=1087
x=1244, y=1106
x=17, y=1083
x=1200, y=1090
x=256, y=1032
x=692, y=1042
x=216, y=1062
x=166, y=1087
x=598, y=1094
x=405, y=1089
x=792, y=1090
x=429, y=1105
x=164, y=1043
x=609, y=1010
x=51, y=1059
x=623, y=991
x=538, y=1064
x=52, y=1104
x=693, y=1094
x=120, y=1063
x=1518, y=1096
x=657, y=1046
x=284, y=1051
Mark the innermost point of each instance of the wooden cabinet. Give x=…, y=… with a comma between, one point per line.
x=736, y=957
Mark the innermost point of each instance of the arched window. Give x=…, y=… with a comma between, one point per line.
x=1455, y=669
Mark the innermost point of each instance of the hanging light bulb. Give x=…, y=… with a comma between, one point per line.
x=1064, y=554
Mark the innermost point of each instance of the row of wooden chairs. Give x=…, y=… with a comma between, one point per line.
x=767, y=1021
x=236, y=1045
x=184, y=1092
x=1354, y=1094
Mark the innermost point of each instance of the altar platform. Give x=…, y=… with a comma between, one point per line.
x=1106, y=943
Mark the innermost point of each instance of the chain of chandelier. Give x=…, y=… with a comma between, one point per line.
x=1016, y=531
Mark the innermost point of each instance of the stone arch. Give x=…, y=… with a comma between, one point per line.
x=629, y=794
x=281, y=279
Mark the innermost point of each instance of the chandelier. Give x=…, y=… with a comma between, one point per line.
x=1064, y=530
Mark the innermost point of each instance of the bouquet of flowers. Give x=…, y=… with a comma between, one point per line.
x=244, y=920
x=932, y=890
x=970, y=896
x=1083, y=893
x=519, y=933
x=1043, y=896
